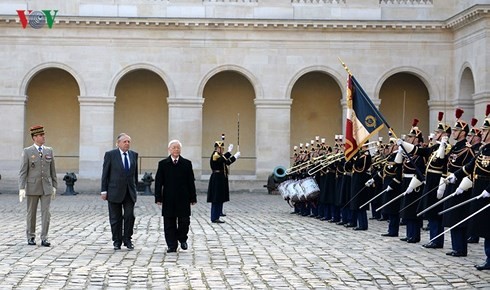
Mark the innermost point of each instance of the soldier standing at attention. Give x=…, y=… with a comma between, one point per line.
x=37, y=182
x=218, y=190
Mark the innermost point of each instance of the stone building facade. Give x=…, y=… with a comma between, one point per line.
x=266, y=73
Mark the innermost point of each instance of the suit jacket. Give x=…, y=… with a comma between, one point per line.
x=115, y=180
x=37, y=174
x=175, y=187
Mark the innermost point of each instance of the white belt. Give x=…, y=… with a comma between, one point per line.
x=408, y=175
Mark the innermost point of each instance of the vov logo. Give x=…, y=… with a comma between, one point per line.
x=37, y=19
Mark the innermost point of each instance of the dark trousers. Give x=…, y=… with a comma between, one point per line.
x=216, y=210
x=321, y=210
x=121, y=215
x=459, y=239
x=314, y=209
x=345, y=215
x=486, y=246
x=436, y=228
x=362, y=219
x=413, y=228
x=353, y=217
x=175, y=229
x=394, y=224
x=335, y=210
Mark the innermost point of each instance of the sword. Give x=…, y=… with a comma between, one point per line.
x=353, y=197
x=379, y=194
x=422, y=196
x=436, y=204
x=458, y=205
x=462, y=221
x=379, y=208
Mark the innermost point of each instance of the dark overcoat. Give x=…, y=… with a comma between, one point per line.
x=218, y=189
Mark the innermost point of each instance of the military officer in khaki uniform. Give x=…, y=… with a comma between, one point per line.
x=37, y=182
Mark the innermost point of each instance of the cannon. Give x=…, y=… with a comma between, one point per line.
x=70, y=178
x=278, y=175
x=146, y=182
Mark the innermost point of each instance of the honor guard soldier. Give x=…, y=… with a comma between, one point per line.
x=218, y=188
x=412, y=166
x=391, y=177
x=474, y=139
x=479, y=170
x=360, y=193
x=339, y=173
x=459, y=155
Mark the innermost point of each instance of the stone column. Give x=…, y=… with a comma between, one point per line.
x=272, y=135
x=481, y=99
x=96, y=133
x=12, y=118
x=185, y=124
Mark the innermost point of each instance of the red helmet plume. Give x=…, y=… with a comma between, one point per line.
x=440, y=116
x=459, y=113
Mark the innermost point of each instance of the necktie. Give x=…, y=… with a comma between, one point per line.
x=175, y=161
x=40, y=151
x=126, y=162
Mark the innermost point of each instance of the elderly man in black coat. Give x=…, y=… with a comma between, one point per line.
x=175, y=191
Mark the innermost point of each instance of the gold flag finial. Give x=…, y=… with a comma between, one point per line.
x=345, y=67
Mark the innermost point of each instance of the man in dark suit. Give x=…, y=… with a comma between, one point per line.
x=119, y=178
x=175, y=191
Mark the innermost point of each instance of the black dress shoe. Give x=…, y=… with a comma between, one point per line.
x=405, y=239
x=31, y=242
x=413, y=240
x=350, y=225
x=389, y=235
x=382, y=219
x=432, y=245
x=484, y=266
x=359, y=229
x=129, y=245
x=473, y=240
x=218, y=221
x=171, y=250
x=341, y=223
x=183, y=245
x=456, y=254
x=222, y=214
x=117, y=245
x=45, y=243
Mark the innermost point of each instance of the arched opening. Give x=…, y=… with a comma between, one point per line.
x=141, y=111
x=53, y=102
x=229, y=109
x=316, y=109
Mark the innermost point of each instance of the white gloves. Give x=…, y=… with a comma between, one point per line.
x=399, y=156
x=441, y=189
x=230, y=148
x=484, y=194
x=465, y=184
x=237, y=155
x=22, y=194
x=441, y=151
x=451, y=178
x=458, y=191
x=369, y=182
x=388, y=188
x=53, y=194
x=414, y=184
x=409, y=147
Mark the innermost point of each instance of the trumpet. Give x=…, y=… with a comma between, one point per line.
x=371, y=145
x=332, y=158
x=298, y=167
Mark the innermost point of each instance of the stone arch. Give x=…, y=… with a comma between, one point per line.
x=332, y=73
x=230, y=67
x=35, y=70
x=142, y=66
x=465, y=82
x=411, y=70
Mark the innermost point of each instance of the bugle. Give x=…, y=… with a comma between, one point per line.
x=326, y=162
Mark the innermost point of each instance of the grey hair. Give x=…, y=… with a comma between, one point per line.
x=121, y=135
x=174, y=141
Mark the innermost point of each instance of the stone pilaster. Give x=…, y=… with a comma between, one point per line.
x=272, y=135
x=96, y=133
x=185, y=124
x=12, y=117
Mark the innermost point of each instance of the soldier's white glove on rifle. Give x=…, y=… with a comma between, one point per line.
x=230, y=148
x=451, y=178
x=53, y=194
x=465, y=184
x=22, y=194
x=237, y=155
x=441, y=152
x=414, y=184
x=369, y=182
x=441, y=189
x=408, y=147
x=484, y=194
x=388, y=188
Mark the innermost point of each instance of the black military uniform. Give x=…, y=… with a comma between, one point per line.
x=360, y=193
